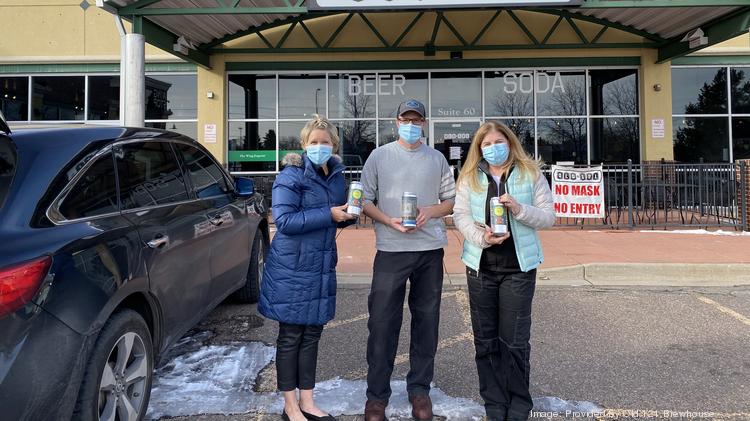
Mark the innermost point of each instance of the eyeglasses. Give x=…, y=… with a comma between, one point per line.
x=418, y=121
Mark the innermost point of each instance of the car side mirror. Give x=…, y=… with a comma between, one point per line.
x=245, y=187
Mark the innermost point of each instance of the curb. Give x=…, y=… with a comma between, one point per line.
x=615, y=274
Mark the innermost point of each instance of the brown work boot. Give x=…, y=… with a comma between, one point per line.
x=421, y=407
x=375, y=410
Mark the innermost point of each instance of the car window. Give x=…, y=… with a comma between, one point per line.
x=8, y=162
x=208, y=179
x=149, y=175
x=95, y=193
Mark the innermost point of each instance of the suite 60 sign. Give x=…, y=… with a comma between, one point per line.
x=578, y=192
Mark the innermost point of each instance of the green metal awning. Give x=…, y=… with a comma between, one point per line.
x=206, y=27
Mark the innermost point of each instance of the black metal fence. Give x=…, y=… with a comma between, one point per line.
x=647, y=195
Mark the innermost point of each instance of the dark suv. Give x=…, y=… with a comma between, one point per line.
x=113, y=243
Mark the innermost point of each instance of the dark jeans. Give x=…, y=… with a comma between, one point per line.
x=424, y=270
x=297, y=356
x=501, y=320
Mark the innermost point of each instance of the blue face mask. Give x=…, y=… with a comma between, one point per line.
x=411, y=133
x=319, y=154
x=496, y=154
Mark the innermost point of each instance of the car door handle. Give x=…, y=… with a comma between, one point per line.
x=216, y=220
x=158, y=242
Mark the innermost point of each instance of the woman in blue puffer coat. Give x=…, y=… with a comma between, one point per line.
x=299, y=280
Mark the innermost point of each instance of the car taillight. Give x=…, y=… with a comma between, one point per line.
x=19, y=284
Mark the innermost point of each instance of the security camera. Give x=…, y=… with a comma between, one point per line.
x=695, y=38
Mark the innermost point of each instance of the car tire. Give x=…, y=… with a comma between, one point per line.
x=118, y=375
x=250, y=292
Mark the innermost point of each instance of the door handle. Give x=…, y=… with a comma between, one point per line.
x=216, y=220
x=158, y=242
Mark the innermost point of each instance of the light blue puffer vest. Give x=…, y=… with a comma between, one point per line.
x=526, y=241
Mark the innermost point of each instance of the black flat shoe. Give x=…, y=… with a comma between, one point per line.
x=312, y=417
x=284, y=416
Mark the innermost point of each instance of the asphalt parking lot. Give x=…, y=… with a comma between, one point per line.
x=631, y=353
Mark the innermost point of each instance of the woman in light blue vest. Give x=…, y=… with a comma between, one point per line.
x=501, y=269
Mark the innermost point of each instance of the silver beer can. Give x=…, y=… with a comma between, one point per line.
x=356, y=191
x=498, y=217
x=409, y=210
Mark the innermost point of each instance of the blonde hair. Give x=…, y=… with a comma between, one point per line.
x=322, y=123
x=517, y=156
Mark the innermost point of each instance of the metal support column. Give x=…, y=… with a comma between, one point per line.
x=135, y=80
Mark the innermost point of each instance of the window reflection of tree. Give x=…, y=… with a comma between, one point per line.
x=704, y=137
x=567, y=136
x=358, y=136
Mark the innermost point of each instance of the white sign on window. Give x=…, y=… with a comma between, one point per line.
x=427, y=4
x=376, y=84
x=209, y=133
x=657, y=128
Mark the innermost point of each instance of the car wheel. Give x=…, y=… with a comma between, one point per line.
x=250, y=292
x=117, y=382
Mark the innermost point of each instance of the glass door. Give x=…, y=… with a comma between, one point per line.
x=453, y=138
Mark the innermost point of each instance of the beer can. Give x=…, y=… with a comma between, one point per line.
x=355, y=198
x=409, y=210
x=498, y=217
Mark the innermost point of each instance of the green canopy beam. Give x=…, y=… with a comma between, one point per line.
x=716, y=32
x=615, y=4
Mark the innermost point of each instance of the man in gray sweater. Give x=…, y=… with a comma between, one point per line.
x=414, y=254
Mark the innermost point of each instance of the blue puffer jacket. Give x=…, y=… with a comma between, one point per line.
x=299, y=280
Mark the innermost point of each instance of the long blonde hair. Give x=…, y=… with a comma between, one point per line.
x=517, y=156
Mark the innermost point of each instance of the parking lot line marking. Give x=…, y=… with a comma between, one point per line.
x=725, y=310
x=359, y=318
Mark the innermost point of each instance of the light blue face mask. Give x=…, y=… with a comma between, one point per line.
x=496, y=154
x=411, y=133
x=319, y=154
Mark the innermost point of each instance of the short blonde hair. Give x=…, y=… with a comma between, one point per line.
x=322, y=123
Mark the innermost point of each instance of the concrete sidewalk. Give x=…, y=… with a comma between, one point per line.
x=577, y=257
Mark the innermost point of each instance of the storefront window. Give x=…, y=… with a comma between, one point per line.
x=561, y=93
x=289, y=137
x=741, y=137
x=353, y=95
x=252, y=96
x=252, y=146
x=563, y=139
x=189, y=129
x=456, y=94
x=614, y=92
x=523, y=128
x=700, y=90
x=387, y=132
x=403, y=86
x=14, y=98
x=614, y=140
x=740, y=90
x=509, y=94
x=357, y=141
x=171, y=97
x=301, y=96
x=58, y=98
x=701, y=137
x=104, y=97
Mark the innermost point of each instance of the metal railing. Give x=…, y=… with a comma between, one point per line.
x=647, y=195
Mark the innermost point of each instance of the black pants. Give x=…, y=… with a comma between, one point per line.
x=424, y=270
x=297, y=356
x=501, y=320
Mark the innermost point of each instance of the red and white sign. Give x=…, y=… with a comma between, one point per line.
x=578, y=192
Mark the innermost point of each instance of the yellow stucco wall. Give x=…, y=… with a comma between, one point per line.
x=655, y=92
x=59, y=31
x=213, y=111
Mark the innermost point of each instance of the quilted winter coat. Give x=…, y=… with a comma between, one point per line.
x=299, y=279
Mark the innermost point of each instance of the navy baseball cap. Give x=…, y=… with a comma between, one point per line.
x=411, y=105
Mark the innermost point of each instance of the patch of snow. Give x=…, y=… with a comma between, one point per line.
x=554, y=404
x=210, y=380
x=219, y=380
x=701, y=232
